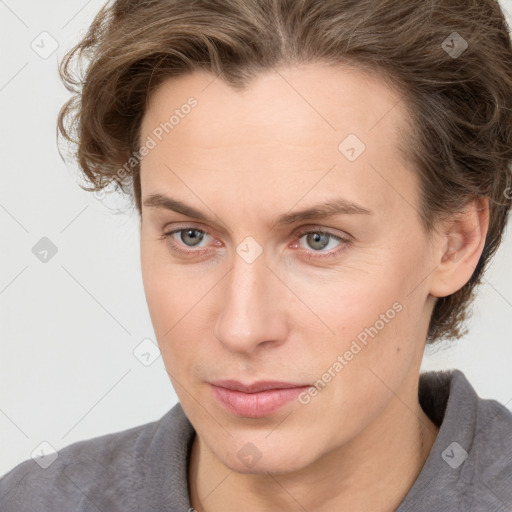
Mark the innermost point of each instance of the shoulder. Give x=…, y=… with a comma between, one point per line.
x=492, y=451
x=482, y=427
x=470, y=463
x=101, y=473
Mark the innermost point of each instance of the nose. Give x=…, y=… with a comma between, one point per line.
x=251, y=308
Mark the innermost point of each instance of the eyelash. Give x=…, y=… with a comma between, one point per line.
x=308, y=254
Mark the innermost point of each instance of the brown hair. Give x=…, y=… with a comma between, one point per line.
x=460, y=104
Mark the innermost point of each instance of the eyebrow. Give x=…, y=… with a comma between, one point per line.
x=329, y=208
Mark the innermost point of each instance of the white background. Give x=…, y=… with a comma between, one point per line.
x=69, y=326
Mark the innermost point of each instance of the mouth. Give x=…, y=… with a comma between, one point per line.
x=255, y=400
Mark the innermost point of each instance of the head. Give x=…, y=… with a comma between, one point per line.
x=319, y=235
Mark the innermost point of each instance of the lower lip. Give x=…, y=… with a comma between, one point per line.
x=255, y=405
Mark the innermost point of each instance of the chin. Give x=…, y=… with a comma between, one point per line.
x=281, y=458
x=274, y=467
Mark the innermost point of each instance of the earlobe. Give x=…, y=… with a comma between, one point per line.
x=459, y=248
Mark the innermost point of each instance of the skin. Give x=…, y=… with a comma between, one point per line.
x=244, y=158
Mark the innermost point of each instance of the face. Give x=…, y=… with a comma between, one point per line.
x=240, y=287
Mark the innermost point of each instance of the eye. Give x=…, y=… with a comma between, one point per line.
x=188, y=236
x=319, y=240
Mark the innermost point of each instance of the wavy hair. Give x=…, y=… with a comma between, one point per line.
x=459, y=106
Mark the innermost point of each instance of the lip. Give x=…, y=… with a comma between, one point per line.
x=255, y=387
x=255, y=400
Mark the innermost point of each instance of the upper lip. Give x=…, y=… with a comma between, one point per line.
x=255, y=387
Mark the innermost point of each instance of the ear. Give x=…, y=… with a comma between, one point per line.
x=458, y=248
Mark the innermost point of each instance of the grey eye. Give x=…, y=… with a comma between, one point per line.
x=190, y=235
x=318, y=240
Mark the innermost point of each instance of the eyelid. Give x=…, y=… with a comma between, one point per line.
x=315, y=228
x=302, y=230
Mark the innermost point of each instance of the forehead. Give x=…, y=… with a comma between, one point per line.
x=287, y=128
x=315, y=99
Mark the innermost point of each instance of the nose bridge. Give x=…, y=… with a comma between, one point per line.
x=247, y=313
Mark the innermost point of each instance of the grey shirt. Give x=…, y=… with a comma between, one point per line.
x=144, y=469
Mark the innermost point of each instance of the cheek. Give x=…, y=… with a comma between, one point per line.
x=176, y=307
x=354, y=301
x=378, y=342
x=163, y=299
x=374, y=319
